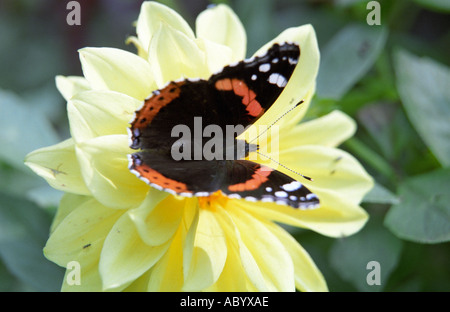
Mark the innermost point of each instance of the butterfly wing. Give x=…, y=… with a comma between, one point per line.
x=238, y=95
x=254, y=182
x=254, y=84
x=151, y=133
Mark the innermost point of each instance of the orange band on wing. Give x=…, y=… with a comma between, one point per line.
x=258, y=178
x=153, y=105
x=240, y=88
x=157, y=178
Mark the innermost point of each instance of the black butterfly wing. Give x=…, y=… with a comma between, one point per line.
x=244, y=91
x=254, y=182
x=238, y=95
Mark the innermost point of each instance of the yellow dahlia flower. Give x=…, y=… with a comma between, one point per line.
x=126, y=235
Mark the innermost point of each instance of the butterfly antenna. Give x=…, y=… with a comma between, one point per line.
x=280, y=164
x=278, y=119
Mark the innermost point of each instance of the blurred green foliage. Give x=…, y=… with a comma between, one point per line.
x=393, y=79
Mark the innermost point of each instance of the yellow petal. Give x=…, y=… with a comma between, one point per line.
x=217, y=55
x=58, y=165
x=307, y=275
x=137, y=43
x=90, y=280
x=268, y=134
x=168, y=273
x=221, y=25
x=339, y=181
x=233, y=277
x=292, y=118
x=332, y=170
x=69, y=202
x=99, y=113
x=104, y=166
x=270, y=255
x=209, y=253
x=71, y=85
x=125, y=256
x=173, y=55
x=335, y=217
x=303, y=78
x=79, y=237
x=140, y=284
x=154, y=221
x=250, y=275
x=152, y=14
x=117, y=70
x=329, y=130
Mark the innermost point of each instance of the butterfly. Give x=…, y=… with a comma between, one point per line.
x=233, y=98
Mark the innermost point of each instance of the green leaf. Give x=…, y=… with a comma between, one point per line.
x=6, y=279
x=423, y=85
x=23, y=233
x=377, y=118
x=423, y=215
x=347, y=3
x=438, y=5
x=23, y=130
x=326, y=24
x=347, y=57
x=251, y=13
x=380, y=195
x=350, y=256
x=373, y=159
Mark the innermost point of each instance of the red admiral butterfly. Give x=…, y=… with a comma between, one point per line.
x=237, y=95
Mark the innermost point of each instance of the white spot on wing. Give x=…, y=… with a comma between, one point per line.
x=156, y=186
x=136, y=173
x=293, y=186
x=292, y=61
x=281, y=194
x=249, y=60
x=308, y=206
x=130, y=161
x=170, y=191
x=201, y=194
x=277, y=79
x=264, y=67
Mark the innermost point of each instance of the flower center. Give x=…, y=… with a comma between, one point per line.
x=209, y=202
